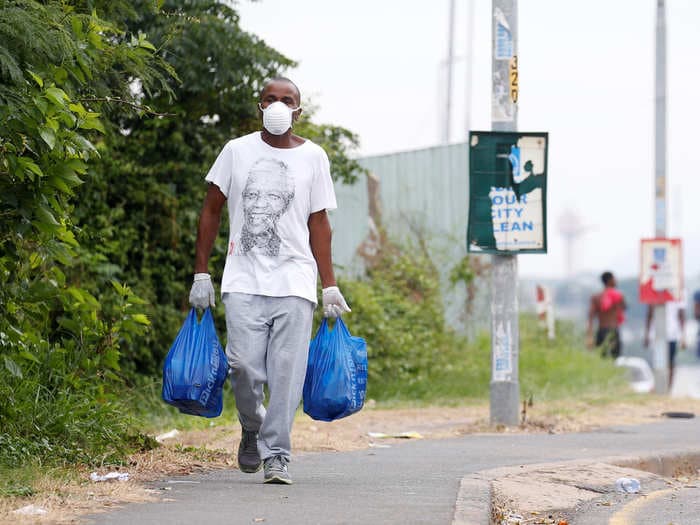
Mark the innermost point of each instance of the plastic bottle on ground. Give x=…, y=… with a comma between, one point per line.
x=627, y=485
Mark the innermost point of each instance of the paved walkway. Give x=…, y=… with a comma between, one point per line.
x=686, y=382
x=412, y=483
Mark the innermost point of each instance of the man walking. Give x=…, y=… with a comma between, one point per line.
x=675, y=330
x=609, y=308
x=696, y=314
x=278, y=187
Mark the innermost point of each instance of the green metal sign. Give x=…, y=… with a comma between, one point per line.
x=507, y=192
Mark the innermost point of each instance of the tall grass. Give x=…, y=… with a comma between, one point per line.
x=549, y=370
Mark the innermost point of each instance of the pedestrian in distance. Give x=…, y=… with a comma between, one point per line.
x=696, y=314
x=608, y=307
x=675, y=330
x=277, y=187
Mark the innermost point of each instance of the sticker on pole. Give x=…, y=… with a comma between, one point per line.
x=513, y=70
x=503, y=49
x=504, y=70
x=507, y=192
x=502, y=353
x=661, y=273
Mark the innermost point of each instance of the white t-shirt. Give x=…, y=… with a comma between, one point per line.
x=673, y=325
x=271, y=192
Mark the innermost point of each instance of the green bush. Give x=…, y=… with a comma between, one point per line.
x=398, y=309
x=59, y=394
x=63, y=323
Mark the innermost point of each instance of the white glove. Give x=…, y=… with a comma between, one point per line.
x=334, y=304
x=202, y=293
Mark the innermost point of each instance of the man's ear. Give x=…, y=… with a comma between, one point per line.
x=297, y=114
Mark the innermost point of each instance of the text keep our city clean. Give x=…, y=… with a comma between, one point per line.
x=506, y=209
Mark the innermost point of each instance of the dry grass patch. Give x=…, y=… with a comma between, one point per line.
x=67, y=495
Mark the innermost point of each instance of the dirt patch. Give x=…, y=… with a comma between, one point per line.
x=213, y=448
x=67, y=499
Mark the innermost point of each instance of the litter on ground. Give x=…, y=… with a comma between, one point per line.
x=167, y=435
x=111, y=476
x=31, y=510
x=411, y=434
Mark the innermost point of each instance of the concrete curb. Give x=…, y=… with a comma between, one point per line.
x=473, y=505
x=560, y=486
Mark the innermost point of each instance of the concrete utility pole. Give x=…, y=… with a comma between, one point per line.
x=469, y=70
x=660, y=360
x=505, y=335
x=450, y=68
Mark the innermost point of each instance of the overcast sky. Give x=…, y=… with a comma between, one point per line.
x=586, y=77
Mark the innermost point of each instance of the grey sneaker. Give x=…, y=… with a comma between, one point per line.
x=248, y=456
x=276, y=470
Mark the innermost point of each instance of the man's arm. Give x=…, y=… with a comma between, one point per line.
x=208, y=227
x=681, y=323
x=591, y=316
x=320, y=241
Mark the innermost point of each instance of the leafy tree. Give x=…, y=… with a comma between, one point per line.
x=59, y=339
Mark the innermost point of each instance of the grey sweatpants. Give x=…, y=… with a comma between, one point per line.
x=268, y=343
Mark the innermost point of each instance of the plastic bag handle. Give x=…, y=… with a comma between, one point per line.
x=207, y=316
x=192, y=317
x=339, y=323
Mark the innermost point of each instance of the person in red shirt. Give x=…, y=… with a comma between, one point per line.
x=696, y=314
x=609, y=308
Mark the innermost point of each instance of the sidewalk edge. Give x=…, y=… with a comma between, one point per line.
x=475, y=497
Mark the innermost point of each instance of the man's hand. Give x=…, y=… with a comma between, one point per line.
x=202, y=293
x=589, y=341
x=334, y=304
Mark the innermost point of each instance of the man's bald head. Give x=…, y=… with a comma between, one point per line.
x=281, y=80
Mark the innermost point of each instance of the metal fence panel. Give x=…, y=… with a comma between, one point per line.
x=423, y=193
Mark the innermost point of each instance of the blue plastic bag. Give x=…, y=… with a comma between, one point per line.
x=195, y=368
x=336, y=373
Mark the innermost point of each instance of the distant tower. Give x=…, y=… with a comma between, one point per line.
x=572, y=229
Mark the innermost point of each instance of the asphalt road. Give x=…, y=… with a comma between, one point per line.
x=663, y=506
x=686, y=382
x=411, y=483
x=660, y=504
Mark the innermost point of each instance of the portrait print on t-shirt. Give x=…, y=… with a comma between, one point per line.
x=268, y=192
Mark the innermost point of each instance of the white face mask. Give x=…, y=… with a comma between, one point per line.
x=277, y=117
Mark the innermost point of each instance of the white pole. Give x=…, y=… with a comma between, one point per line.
x=660, y=360
x=450, y=67
x=469, y=70
x=505, y=335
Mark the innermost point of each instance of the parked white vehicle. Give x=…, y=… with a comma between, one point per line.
x=640, y=374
